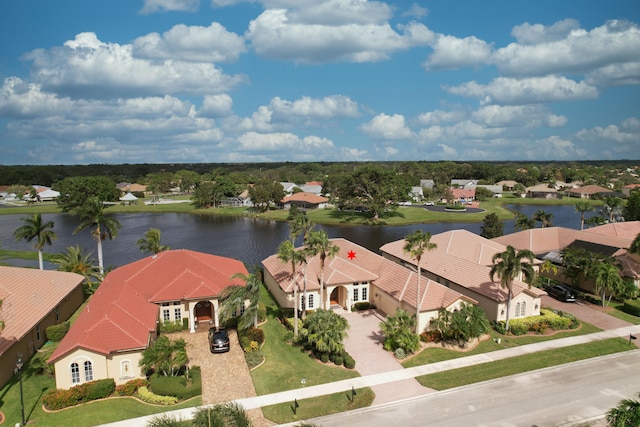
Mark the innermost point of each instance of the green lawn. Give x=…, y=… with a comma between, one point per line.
x=434, y=354
x=90, y=414
x=519, y=364
x=284, y=368
x=617, y=312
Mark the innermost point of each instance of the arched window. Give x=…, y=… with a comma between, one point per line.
x=88, y=371
x=523, y=309
x=75, y=373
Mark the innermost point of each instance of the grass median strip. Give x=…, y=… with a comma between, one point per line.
x=516, y=365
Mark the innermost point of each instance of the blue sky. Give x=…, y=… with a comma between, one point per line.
x=183, y=81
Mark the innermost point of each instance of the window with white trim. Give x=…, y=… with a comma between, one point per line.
x=75, y=373
x=177, y=314
x=310, y=301
x=166, y=315
x=523, y=309
x=365, y=297
x=88, y=371
x=356, y=294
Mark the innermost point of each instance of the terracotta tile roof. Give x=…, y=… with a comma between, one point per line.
x=28, y=295
x=589, y=189
x=463, y=192
x=461, y=257
x=366, y=266
x=626, y=230
x=305, y=197
x=548, y=239
x=123, y=312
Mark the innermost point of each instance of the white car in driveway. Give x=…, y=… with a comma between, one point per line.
x=429, y=204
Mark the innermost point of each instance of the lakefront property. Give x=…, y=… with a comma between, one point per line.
x=122, y=318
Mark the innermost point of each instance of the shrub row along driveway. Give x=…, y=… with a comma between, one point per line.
x=225, y=376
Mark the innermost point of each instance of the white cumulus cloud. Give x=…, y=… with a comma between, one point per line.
x=191, y=43
x=387, y=127
x=452, y=52
x=152, y=6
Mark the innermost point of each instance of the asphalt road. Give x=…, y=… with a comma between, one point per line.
x=567, y=395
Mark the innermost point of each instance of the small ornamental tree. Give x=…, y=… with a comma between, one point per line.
x=399, y=332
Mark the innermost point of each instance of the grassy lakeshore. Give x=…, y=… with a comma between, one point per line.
x=404, y=215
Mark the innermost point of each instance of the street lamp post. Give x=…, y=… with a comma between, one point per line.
x=19, y=365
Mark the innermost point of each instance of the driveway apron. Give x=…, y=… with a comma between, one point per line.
x=364, y=344
x=225, y=376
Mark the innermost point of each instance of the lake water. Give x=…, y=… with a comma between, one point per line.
x=247, y=239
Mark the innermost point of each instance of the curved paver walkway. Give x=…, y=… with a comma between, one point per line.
x=364, y=344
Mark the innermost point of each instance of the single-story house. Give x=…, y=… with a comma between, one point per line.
x=121, y=319
x=543, y=191
x=463, y=195
x=612, y=240
x=627, y=189
x=33, y=300
x=427, y=183
x=304, y=201
x=47, y=195
x=495, y=189
x=131, y=188
x=589, y=192
x=508, y=185
x=464, y=183
x=354, y=275
x=462, y=262
x=416, y=194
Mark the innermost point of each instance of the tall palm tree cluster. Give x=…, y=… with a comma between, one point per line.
x=92, y=215
x=316, y=243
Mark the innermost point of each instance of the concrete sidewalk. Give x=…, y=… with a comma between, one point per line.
x=401, y=374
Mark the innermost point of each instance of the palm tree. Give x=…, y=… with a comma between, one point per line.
x=582, y=208
x=76, y=261
x=606, y=277
x=235, y=296
x=612, y=207
x=319, y=244
x=523, y=222
x=287, y=253
x=544, y=218
x=416, y=244
x=230, y=414
x=326, y=331
x=35, y=228
x=508, y=266
x=300, y=225
x=626, y=414
x=151, y=242
x=549, y=267
x=92, y=215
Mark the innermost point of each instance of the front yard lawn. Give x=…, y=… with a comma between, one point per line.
x=286, y=366
x=519, y=364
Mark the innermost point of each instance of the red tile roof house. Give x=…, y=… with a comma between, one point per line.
x=32, y=301
x=610, y=240
x=461, y=262
x=359, y=275
x=121, y=319
x=304, y=201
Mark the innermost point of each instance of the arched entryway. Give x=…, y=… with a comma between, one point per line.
x=339, y=297
x=203, y=313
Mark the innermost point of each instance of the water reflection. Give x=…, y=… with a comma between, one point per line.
x=247, y=239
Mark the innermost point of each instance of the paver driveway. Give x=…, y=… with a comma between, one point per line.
x=364, y=344
x=225, y=376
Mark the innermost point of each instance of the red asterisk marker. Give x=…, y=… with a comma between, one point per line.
x=351, y=255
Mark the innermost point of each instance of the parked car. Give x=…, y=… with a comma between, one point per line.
x=562, y=293
x=218, y=340
x=429, y=204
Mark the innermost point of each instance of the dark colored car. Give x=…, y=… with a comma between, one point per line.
x=562, y=293
x=218, y=340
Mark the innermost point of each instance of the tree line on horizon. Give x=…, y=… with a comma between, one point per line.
x=488, y=172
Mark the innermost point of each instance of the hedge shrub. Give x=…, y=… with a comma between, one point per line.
x=253, y=358
x=547, y=319
x=55, y=333
x=255, y=334
x=130, y=387
x=177, y=386
x=632, y=307
x=146, y=396
x=349, y=362
x=167, y=327
x=363, y=305
x=58, y=399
